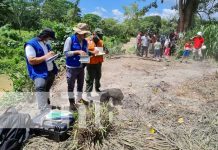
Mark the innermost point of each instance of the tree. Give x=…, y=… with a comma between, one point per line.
x=24, y=13
x=32, y=15
x=5, y=12
x=108, y=26
x=167, y=26
x=187, y=10
x=56, y=9
x=74, y=14
x=94, y=21
x=151, y=23
x=132, y=11
x=207, y=7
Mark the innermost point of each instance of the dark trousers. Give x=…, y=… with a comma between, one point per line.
x=73, y=75
x=93, y=74
x=157, y=53
x=42, y=88
x=138, y=49
x=144, y=51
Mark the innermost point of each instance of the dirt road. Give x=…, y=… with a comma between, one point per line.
x=157, y=95
x=163, y=103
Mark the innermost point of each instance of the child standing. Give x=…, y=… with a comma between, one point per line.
x=157, y=47
x=187, y=49
x=167, y=52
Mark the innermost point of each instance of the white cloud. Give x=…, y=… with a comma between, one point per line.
x=100, y=11
x=166, y=14
x=116, y=12
x=118, y=15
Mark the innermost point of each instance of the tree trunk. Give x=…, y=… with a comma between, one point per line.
x=187, y=9
x=181, y=16
x=191, y=7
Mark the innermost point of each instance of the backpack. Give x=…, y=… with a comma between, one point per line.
x=14, y=129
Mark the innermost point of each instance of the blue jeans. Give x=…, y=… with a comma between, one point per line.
x=42, y=88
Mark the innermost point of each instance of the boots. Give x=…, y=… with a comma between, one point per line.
x=72, y=104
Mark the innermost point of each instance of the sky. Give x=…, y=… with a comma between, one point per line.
x=114, y=8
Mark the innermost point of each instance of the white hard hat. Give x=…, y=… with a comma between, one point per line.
x=200, y=33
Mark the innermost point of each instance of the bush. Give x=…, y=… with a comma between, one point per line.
x=113, y=44
x=12, y=60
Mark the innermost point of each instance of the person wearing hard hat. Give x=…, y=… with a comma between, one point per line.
x=95, y=65
x=42, y=72
x=198, y=43
x=76, y=46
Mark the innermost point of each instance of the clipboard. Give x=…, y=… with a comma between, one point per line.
x=52, y=58
x=101, y=51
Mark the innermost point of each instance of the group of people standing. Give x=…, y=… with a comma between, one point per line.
x=152, y=43
x=38, y=50
x=164, y=47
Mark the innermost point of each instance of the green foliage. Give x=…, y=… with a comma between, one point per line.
x=132, y=11
x=56, y=10
x=114, y=29
x=12, y=61
x=113, y=44
x=167, y=26
x=22, y=13
x=92, y=20
x=73, y=14
x=210, y=35
x=62, y=32
x=151, y=23
x=5, y=12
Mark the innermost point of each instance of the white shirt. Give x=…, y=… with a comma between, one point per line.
x=67, y=45
x=167, y=42
x=30, y=52
x=145, y=41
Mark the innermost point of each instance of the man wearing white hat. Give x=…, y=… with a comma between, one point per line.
x=74, y=47
x=198, y=43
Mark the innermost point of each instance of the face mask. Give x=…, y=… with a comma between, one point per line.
x=48, y=42
x=96, y=39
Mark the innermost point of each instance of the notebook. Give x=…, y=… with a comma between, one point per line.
x=101, y=51
x=84, y=59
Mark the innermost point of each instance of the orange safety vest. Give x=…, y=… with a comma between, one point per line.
x=91, y=47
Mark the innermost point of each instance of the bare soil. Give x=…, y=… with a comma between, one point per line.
x=166, y=105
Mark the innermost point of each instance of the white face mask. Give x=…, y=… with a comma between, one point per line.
x=48, y=42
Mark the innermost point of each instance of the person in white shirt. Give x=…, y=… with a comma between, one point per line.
x=41, y=71
x=157, y=48
x=76, y=46
x=145, y=44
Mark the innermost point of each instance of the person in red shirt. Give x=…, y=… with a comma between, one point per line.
x=167, y=52
x=139, y=43
x=198, y=43
x=187, y=49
